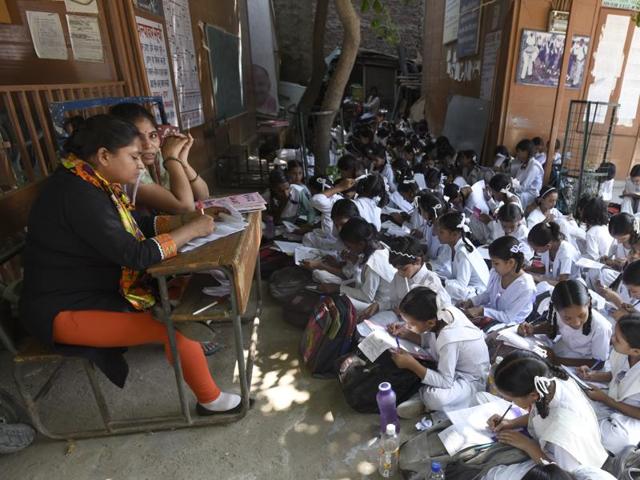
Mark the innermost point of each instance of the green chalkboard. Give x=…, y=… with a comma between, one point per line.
x=226, y=72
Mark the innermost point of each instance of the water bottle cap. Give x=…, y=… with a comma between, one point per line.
x=435, y=467
x=384, y=386
x=391, y=429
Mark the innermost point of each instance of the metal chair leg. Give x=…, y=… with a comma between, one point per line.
x=97, y=394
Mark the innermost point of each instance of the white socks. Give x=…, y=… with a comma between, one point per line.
x=226, y=401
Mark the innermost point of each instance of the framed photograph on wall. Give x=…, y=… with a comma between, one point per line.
x=540, y=58
x=578, y=58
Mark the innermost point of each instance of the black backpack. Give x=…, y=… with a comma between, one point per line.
x=359, y=379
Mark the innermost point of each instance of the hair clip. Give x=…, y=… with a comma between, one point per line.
x=517, y=248
x=542, y=385
x=506, y=189
x=443, y=314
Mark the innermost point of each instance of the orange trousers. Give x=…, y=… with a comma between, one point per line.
x=98, y=328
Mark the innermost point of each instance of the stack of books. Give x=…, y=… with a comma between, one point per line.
x=243, y=203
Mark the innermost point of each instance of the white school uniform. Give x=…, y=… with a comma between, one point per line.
x=569, y=435
x=574, y=344
x=629, y=203
x=424, y=277
x=591, y=473
x=469, y=273
x=606, y=276
x=324, y=204
x=606, y=190
x=396, y=200
x=369, y=210
x=298, y=204
x=617, y=429
x=509, y=305
x=536, y=216
x=541, y=158
x=373, y=282
x=564, y=263
x=520, y=234
x=597, y=242
x=390, y=178
x=529, y=181
x=463, y=364
x=302, y=188
x=430, y=240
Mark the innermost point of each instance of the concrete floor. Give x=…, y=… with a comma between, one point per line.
x=300, y=427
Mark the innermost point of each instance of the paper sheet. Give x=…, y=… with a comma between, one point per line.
x=287, y=247
x=470, y=425
x=47, y=35
x=510, y=337
x=378, y=340
x=419, y=178
x=394, y=230
x=291, y=227
x=484, y=252
x=303, y=253
x=589, y=264
x=389, y=210
x=578, y=380
x=86, y=41
x=225, y=226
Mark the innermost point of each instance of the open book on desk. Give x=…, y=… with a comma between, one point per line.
x=377, y=340
x=509, y=336
x=225, y=225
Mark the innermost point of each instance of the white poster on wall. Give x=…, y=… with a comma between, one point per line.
x=263, y=60
x=451, y=20
x=183, y=55
x=156, y=62
x=47, y=35
x=86, y=41
x=489, y=60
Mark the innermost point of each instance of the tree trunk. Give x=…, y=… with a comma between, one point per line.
x=317, y=53
x=337, y=83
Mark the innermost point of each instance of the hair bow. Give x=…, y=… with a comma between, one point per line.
x=506, y=189
x=416, y=202
x=501, y=156
x=517, y=248
x=444, y=314
x=446, y=198
x=463, y=224
x=542, y=385
x=323, y=183
x=362, y=177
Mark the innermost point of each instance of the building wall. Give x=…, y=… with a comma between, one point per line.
x=294, y=24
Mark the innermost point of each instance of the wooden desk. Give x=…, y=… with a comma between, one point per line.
x=238, y=256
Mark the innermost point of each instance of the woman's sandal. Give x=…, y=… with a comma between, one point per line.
x=209, y=348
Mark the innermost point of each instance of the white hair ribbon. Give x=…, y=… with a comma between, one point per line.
x=408, y=181
x=501, y=156
x=402, y=254
x=542, y=385
x=443, y=314
x=437, y=206
x=416, y=202
x=463, y=224
x=323, y=182
x=506, y=189
x=636, y=225
x=362, y=177
x=446, y=198
x=517, y=248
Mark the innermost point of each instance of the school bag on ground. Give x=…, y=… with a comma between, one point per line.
x=359, y=379
x=625, y=465
x=285, y=283
x=328, y=334
x=299, y=308
x=272, y=261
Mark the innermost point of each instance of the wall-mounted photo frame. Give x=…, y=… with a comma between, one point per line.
x=540, y=58
x=558, y=21
x=578, y=59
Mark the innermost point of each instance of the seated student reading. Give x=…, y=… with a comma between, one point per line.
x=168, y=183
x=558, y=255
x=284, y=202
x=469, y=274
x=457, y=345
x=511, y=291
x=619, y=408
x=371, y=197
x=85, y=257
x=372, y=283
x=561, y=423
x=624, y=292
x=631, y=193
x=597, y=240
x=585, y=334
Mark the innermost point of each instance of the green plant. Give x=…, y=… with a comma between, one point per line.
x=382, y=23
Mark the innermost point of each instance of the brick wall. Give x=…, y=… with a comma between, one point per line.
x=294, y=26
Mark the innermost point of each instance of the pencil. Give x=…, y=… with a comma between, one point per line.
x=504, y=415
x=206, y=307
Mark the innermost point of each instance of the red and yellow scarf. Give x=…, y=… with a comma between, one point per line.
x=132, y=286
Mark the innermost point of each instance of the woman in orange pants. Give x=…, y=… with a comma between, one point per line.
x=86, y=252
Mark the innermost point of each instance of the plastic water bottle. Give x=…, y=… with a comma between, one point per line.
x=436, y=472
x=389, y=452
x=386, y=399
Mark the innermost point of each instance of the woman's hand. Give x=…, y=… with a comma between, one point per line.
x=495, y=425
x=184, y=152
x=403, y=360
x=516, y=439
x=201, y=226
x=369, y=312
x=173, y=145
x=597, y=395
x=525, y=329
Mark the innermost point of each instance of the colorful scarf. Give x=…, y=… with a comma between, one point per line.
x=132, y=285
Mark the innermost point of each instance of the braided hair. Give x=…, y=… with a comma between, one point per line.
x=432, y=205
x=569, y=293
x=516, y=376
x=451, y=221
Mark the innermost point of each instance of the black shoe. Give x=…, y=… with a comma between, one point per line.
x=205, y=412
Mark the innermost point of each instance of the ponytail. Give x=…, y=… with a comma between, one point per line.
x=544, y=233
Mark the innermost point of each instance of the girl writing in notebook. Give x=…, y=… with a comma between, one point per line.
x=558, y=255
x=509, y=296
x=545, y=210
x=562, y=425
x=469, y=274
x=619, y=408
x=584, y=333
x=456, y=344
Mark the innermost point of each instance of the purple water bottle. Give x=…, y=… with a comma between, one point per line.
x=386, y=399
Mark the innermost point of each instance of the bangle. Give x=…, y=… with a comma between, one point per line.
x=170, y=159
x=195, y=178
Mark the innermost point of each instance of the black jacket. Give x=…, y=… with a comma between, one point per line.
x=75, y=248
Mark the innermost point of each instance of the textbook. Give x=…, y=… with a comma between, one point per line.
x=377, y=340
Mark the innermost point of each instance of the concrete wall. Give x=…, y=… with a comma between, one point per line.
x=294, y=24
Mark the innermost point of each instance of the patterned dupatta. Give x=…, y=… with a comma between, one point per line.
x=132, y=286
